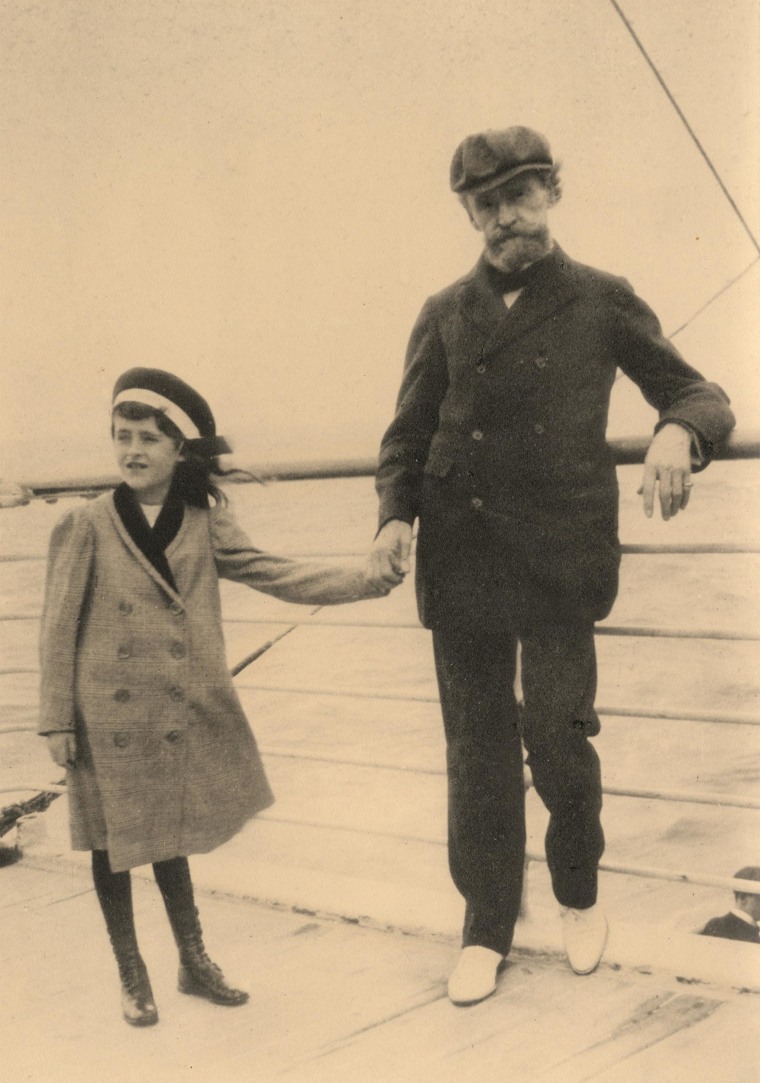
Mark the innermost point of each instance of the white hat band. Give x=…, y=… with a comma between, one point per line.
x=185, y=424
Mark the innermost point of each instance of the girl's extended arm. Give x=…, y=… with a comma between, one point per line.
x=287, y=579
x=70, y=559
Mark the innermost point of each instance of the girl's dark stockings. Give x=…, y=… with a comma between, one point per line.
x=114, y=891
x=197, y=974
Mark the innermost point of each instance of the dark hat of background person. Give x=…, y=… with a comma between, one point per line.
x=490, y=158
x=179, y=402
x=748, y=872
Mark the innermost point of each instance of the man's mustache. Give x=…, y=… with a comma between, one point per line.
x=511, y=234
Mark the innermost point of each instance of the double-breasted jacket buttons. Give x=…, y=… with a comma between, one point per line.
x=476, y=502
x=177, y=694
x=123, y=651
x=477, y=434
x=538, y=428
x=121, y=740
x=177, y=609
x=125, y=607
x=541, y=361
x=173, y=736
x=121, y=695
x=480, y=369
x=177, y=649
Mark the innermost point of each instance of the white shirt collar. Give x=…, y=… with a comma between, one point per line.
x=745, y=917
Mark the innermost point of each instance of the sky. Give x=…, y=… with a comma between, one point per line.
x=254, y=195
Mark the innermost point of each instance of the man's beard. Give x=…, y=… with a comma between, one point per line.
x=514, y=251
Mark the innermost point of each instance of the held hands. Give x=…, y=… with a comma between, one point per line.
x=63, y=748
x=668, y=462
x=388, y=559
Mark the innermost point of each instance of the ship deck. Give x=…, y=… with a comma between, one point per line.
x=335, y=906
x=336, y=1001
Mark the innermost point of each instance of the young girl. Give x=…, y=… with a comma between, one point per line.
x=136, y=699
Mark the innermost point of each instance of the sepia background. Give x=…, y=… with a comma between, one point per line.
x=254, y=194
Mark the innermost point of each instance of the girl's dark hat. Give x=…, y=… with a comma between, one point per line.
x=490, y=158
x=179, y=402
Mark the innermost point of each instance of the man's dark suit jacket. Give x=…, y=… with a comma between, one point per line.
x=499, y=446
x=732, y=928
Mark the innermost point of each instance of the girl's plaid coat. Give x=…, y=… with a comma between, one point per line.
x=167, y=764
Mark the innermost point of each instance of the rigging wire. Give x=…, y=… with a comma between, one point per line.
x=671, y=98
x=711, y=300
x=706, y=305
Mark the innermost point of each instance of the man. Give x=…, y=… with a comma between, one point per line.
x=740, y=923
x=498, y=447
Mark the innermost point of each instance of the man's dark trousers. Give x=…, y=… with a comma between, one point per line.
x=484, y=734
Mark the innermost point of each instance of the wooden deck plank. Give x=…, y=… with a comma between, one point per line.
x=541, y=1023
x=655, y=1020
x=723, y=1047
x=332, y=1001
x=311, y=982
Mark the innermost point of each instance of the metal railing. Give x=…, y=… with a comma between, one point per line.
x=628, y=451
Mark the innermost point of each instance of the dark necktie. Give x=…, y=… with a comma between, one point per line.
x=509, y=281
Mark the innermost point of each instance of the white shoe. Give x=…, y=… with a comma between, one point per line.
x=474, y=977
x=585, y=935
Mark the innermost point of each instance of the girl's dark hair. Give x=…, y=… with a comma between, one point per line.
x=193, y=478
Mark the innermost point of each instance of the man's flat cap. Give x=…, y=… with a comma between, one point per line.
x=490, y=158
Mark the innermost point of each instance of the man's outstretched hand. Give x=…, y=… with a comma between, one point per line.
x=668, y=465
x=388, y=559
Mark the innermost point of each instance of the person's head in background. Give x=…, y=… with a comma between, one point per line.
x=748, y=901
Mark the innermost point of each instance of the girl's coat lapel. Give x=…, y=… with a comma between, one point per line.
x=139, y=556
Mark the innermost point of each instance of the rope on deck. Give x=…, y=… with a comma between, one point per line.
x=37, y=787
x=11, y=814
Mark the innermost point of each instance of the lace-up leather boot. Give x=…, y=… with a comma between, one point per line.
x=137, y=1004
x=198, y=976
x=114, y=892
